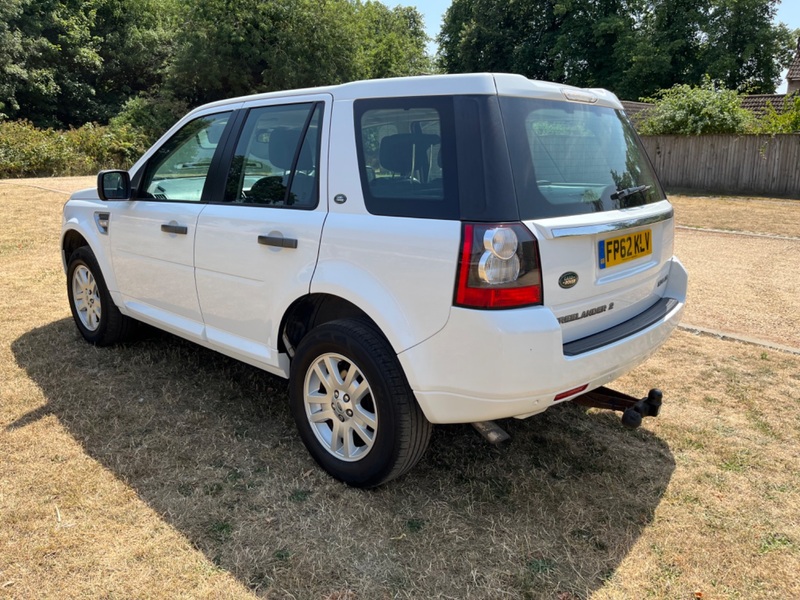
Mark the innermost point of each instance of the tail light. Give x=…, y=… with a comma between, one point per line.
x=499, y=267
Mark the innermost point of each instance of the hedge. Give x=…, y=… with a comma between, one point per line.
x=26, y=151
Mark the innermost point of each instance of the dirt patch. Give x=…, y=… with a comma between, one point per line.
x=772, y=216
x=744, y=285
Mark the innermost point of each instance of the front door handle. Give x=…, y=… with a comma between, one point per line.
x=173, y=228
x=277, y=240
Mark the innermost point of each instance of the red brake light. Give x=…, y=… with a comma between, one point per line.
x=498, y=267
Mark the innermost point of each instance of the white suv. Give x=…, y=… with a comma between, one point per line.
x=445, y=249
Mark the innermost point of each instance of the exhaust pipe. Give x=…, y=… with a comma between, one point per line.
x=492, y=432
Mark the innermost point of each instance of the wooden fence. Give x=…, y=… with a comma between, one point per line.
x=730, y=164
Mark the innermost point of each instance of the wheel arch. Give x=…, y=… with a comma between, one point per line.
x=74, y=236
x=315, y=309
x=71, y=241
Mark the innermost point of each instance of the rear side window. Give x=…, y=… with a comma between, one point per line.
x=571, y=158
x=406, y=155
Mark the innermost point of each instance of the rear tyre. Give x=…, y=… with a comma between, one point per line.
x=96, y=316
x=353, y=407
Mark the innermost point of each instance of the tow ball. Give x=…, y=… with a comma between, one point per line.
x=633, y=409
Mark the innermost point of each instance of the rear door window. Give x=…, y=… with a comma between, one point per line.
x=277, y=157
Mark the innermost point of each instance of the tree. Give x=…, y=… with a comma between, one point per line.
x=67, y=62
x=633, y=47
x=235, y=47
x=392, y=41
x=668, y=48
x=496, y=35
x=746, y=52
x=137, y=42
x=10, y=55
x=594, y=44
x=57, y=52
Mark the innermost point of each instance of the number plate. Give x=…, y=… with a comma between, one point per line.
x=617, y=250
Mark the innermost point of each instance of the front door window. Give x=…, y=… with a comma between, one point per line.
x=178, y=169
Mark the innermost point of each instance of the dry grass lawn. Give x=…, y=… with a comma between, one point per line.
x=161, y=470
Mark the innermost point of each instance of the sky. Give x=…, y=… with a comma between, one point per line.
x=432, y=10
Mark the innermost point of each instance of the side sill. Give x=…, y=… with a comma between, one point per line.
x=641, y=321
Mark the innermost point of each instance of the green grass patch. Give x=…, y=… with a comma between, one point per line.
x=300, y=495
x=775, y=541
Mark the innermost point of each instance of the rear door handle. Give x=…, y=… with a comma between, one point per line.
x=277, y=240
x=172, y=228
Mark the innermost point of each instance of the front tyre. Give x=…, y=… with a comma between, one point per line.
x=96, y=316
x=353, y=407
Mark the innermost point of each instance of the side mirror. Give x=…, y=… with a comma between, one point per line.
x=114, y=185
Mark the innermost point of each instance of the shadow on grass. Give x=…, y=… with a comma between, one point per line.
x=209, y=444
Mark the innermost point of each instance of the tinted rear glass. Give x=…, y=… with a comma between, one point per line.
x=406, y=155
x=571, y=158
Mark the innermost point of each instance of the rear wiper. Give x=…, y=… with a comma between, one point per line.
x=620, y=194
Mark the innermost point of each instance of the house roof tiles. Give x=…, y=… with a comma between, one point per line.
x=794, y=68
x=757, y=103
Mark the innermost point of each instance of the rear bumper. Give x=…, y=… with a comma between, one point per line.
x=487, y=365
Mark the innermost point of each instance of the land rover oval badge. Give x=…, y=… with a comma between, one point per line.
x=568, y=280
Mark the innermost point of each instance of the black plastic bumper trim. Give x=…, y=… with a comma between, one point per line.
x=641, y=321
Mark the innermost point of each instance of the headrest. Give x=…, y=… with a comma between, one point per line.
x=258, y=146
x=397, y=151
x=283, y=145
x=214, y=132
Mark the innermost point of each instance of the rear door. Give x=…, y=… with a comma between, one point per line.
x=257, y=240
x=600, y=271
x=587, y=190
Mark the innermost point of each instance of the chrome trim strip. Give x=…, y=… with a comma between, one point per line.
x=561, y=232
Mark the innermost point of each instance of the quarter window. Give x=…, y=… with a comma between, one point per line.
x=179, y=168
x=277, y=158
x=406, y=156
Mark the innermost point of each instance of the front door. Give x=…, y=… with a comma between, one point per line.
x=152, y=236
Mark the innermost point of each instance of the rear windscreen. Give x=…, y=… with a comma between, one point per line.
x=570, y=158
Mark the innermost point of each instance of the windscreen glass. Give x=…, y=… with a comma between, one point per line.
x=570, y=158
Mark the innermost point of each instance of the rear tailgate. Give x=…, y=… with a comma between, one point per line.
x=603, y=269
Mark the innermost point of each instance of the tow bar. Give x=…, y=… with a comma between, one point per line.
x=633, y=409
